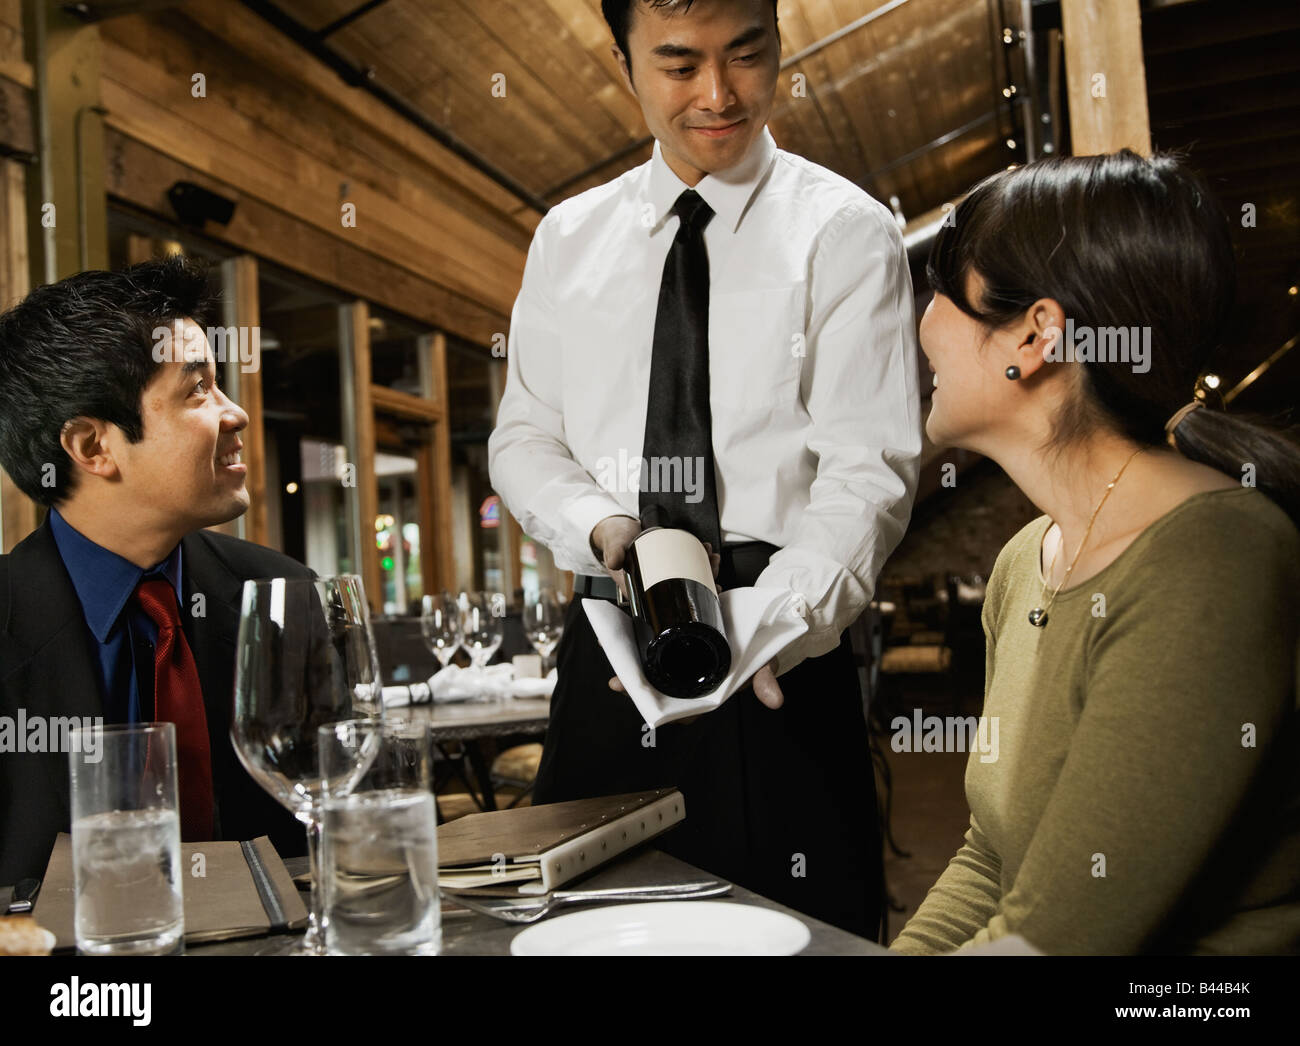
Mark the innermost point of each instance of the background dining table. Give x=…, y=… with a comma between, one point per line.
x=474, y=726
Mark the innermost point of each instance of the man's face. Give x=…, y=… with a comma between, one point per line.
x=705, y=78
x=185, y=473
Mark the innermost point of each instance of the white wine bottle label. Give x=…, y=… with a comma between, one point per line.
x=667, y=554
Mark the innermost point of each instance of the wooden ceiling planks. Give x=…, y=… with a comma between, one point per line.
x=567, y=121
x=812, y=125
x=458, y=184
x=471, y=47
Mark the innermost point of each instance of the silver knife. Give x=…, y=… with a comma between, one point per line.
x=24, y=896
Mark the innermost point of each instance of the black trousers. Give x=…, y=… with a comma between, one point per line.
x=781, y=802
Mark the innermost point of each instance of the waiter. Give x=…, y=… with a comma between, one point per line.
x=743, y=317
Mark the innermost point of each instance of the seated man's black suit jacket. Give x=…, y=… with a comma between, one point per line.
x=49, y=665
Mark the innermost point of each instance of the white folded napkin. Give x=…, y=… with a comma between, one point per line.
x=462, y=684
x=760, y=623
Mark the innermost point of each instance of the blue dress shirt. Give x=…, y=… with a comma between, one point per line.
x=105, y=584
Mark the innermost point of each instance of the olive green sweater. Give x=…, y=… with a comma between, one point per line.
x=1146, y=794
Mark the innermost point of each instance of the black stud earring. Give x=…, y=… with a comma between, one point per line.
x=1013, y=373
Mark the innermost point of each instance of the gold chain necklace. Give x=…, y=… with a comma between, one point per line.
x=1038, y=616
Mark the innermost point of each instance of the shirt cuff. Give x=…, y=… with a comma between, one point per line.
x=810, y=644
x=582, y=514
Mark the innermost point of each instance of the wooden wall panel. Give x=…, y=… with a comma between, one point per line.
x=154, y=106
x=140, y=175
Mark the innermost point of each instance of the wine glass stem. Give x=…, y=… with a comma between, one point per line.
x=314, y=940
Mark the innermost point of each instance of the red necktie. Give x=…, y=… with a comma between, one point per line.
x=178, y=699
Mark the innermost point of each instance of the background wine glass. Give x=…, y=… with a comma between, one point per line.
x=305, y=658
x=543, y=622
x=482, y=619
x=440, y=623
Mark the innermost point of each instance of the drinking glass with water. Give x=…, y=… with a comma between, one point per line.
x=126, y=841
x=379, y=841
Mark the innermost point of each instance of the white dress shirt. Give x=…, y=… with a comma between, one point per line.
x=812, y=373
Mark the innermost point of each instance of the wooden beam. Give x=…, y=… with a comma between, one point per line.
x=359, y=429
x=16, y=134
x=440, y=538
x=18, y=513
x=427, y=507
x=1105, y=77
x=243, y=310
x=404, y=405
x=75, y=147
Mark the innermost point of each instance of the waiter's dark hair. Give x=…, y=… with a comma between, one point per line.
x=618, y=14
x=84, y=347
x=1118, y=241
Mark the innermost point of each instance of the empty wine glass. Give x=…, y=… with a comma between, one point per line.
x=305, y=658
x=440, y=622
x=543, y=621
x=482, y=621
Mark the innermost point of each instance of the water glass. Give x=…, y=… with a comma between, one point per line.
x=126, y=840
x=379, y=839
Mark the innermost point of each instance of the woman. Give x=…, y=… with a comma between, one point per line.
x=1142, y=635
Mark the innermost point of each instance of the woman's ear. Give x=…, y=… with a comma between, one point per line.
x=1041, y=337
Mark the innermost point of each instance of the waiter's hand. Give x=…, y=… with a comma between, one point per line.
x=610, y=538
x=766, y=688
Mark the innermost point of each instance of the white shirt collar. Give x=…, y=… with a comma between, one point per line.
x=727, y=192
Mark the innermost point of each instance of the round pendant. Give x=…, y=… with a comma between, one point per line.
x=1038, y=617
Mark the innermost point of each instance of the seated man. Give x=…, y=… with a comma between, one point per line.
x=133, y=456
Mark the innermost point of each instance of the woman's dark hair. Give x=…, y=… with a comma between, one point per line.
x=84, y=347
x=1118, y=241
x=618, y=14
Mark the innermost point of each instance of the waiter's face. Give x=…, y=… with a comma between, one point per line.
x=705, y=78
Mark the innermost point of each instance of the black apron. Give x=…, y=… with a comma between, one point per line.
x=780, y=802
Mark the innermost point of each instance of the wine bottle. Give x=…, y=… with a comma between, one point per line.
x=676, y=616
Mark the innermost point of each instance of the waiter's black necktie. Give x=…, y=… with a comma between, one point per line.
x=677, y=452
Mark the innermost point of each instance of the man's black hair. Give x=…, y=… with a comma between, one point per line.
x=618, y=14
x=84, y=347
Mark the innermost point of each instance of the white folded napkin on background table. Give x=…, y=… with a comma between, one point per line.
x=463, y=684
x=759, y=622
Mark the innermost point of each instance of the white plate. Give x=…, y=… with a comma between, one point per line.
x=665, y=928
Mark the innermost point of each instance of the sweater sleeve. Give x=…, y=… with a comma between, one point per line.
x=962, y=901
x=1189, y=687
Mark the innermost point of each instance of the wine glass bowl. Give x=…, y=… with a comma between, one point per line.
x=543, y=621
x=482, y=625
x=440, y=623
